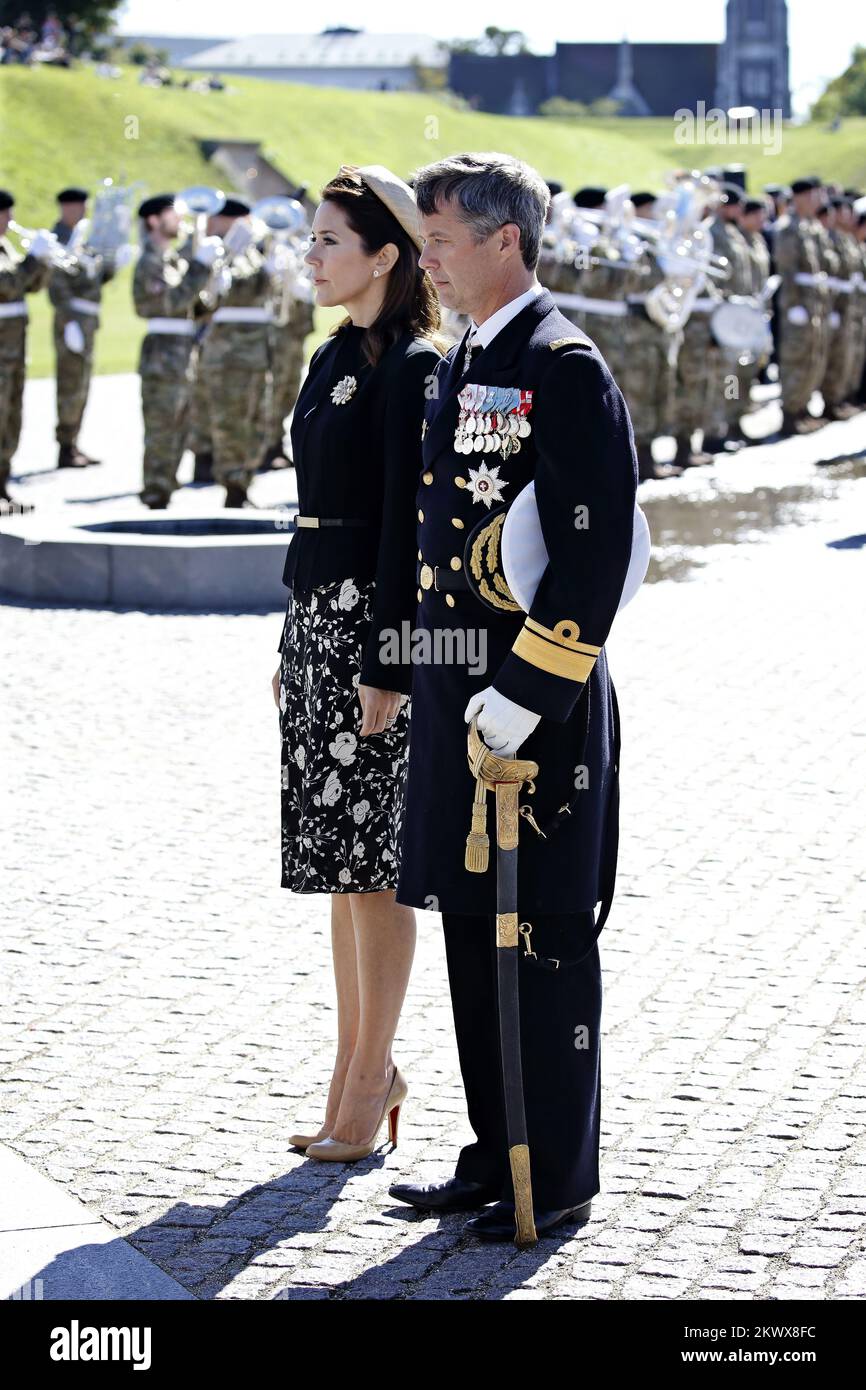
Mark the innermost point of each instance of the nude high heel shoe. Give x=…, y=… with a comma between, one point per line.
x=302, y=1141
x=335, y=1151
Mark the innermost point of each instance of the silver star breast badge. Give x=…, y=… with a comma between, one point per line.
x=486, y=485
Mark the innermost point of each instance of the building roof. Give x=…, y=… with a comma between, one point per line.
x=339, y=48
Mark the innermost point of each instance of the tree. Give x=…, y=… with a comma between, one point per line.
x=83, y=20
x=495, y=43
x=846, y=94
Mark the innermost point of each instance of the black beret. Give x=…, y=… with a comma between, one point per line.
x=806, y=184
x=553, y=187
x=732, y=194
x=234, y=207
x=73, y=195
x=754, y=205
x=6, y=200
x=640, y=200
x=158, y=203
x=590, y=197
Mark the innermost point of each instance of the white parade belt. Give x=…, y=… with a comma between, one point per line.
x=614, y=308
x=806, y=277
x=84, y=306
x=255, y=314
x=17, y=309
x=182, y=328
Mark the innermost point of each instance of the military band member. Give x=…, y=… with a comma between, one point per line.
x=843, y=318
x=76, y=294
x=857, y=377
x=286, y=351
x=802, y=305
x=235, y=360
x=165, y=288
x=538, y=390
x=646, y=364
x=19, y=276
x=729, y=399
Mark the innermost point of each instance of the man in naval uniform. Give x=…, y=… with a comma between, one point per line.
x=537, y=388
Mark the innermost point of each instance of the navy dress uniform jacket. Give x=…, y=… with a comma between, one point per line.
x=580, y=453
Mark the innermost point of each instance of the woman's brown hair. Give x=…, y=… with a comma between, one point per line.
x=410, y=303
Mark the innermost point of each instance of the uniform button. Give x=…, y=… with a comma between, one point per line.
x=449, y=599
x=461, y=482
x=455, y=521
x=427, y=477
x=420, y=514
x=456, y=562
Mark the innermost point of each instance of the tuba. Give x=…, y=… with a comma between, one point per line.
x=683, y=249
x=285, y=231
x=196, y=204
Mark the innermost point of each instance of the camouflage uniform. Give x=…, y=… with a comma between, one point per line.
x=699, y=370
x=802, y=299
x=648, y=359
x=165, y=286
x=69, y=291
x=842, y=320
x=286, y=349
x=234, y=365
x=18, y=276
x=858, y=325
x=728, y=405
x=830, y=317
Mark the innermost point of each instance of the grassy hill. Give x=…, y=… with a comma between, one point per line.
x=60, y=126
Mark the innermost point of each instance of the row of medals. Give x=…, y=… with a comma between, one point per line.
x=486, y=433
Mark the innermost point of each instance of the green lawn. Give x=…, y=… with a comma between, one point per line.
x=60, y=126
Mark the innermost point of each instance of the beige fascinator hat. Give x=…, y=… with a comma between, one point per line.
x=393, y=192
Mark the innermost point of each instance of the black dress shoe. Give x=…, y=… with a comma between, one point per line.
x=499, y=1224
x=453, y=1195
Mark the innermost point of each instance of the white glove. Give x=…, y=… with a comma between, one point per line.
x=209, y=248
x=238, y=237
x=43, y=245
x=502, y=724
x=73, y=336
x=798, y=313
x=123, y=255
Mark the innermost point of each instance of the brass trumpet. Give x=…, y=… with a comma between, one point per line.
x=61, y=256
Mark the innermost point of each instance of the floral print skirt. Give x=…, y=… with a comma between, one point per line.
x=342, y=795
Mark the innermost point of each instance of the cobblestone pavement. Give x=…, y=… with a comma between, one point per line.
x=169, y=1014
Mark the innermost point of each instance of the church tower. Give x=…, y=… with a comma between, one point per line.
x=753, y=60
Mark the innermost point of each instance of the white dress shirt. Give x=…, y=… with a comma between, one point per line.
x=482, y=334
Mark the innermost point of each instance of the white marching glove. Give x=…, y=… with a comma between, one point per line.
x=123, y=255
x=73, y=336
x=208, y=249
x=502, y=724
x=43, y=245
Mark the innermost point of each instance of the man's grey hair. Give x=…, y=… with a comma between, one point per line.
x=489, y=189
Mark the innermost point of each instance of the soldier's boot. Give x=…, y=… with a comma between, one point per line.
x=648, y=468
x=844, y=411
x=236, y=495
x=88, y=461
x=69, y=457
x=687, y=457
x=789, y=425
x=203, y=469
x=737, y=435
x=156, y=498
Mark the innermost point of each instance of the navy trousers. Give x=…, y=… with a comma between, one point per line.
x=560, y=1031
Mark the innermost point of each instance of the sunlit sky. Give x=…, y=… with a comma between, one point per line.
x=821, y=33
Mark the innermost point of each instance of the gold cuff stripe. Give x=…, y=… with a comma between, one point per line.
x=559, y=661
x=565, y=634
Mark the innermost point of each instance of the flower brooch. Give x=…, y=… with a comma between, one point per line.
x=344, y=390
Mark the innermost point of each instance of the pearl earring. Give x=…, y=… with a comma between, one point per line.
x=375, y=273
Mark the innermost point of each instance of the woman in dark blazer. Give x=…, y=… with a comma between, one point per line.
x=345, y=673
